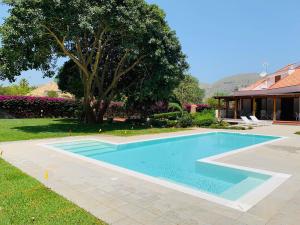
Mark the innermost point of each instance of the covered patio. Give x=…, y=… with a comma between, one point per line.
x=281, y=108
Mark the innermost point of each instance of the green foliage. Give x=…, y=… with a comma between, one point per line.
x=22, y=88
x=69, y=80
x=224, y=125
x=217, y=126
x=189, y=91
x=24, y=200
x=186, y=120
x=158, y=122
x=52, y=94
x=116, y=48
x=204, y=118
x=173, y=106
x=214, y=103
x=172, y=123
x=169, y=115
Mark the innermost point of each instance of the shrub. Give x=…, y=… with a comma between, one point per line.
x=174, y=107
x=34, y=107
x=116, y=109
x=185, y=120
x=172, y=123
x=204, y=119
x=52, y=94
x=218, y=126
x=158, y=123
x=169, y=115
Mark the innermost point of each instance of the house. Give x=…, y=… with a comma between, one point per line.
x=49, y=89
x=274, y=97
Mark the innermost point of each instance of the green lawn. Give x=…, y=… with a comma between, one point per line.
x=298, y=132
x=24, y=129
x=24, y=200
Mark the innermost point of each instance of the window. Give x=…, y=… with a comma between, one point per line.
x=277, y=78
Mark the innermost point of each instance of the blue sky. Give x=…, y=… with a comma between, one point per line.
x=223, y=38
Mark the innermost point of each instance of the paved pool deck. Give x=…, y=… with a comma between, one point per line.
x=120, y=199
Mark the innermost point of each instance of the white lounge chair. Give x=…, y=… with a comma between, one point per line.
x=257, y=121
x=247, y=121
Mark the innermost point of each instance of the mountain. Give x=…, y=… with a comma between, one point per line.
x=229, y=84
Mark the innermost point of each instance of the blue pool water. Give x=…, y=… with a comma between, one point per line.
x=176, y=160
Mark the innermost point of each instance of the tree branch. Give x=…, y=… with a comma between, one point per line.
x=66, y=52
x=115, y=79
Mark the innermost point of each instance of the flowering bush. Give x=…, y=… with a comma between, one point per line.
x=116, y=109
x=34, y=107
x=199, y=108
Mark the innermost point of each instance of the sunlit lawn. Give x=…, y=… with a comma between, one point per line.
x=24, y=200
x=24, y=129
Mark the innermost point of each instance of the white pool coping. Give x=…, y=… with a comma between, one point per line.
x=243, y=204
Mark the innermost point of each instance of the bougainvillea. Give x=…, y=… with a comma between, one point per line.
x=34, y=107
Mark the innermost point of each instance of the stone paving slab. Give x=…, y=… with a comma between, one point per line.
x=121, y=199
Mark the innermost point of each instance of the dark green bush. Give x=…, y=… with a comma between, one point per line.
x=186, y=120
x=204, y=119
x=172, y=123
x=158, y=123
x=168, y=116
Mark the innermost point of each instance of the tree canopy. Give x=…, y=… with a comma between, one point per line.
x=189, y=91
x=113, y=44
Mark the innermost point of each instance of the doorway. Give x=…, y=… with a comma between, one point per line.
x=287, y=109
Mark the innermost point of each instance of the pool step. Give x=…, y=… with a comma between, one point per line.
x=241, y=188
x=87, y=148
x=81, y=145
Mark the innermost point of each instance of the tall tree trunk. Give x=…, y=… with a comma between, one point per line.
x=89, y=116
x=102, y=110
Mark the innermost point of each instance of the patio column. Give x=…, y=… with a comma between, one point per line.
x=254, y=107
x=235, y=108
x=227, y=107
x=274, y=108
x=219, y=108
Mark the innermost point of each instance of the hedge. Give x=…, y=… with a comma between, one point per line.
x=36, y=107
x=169, y=115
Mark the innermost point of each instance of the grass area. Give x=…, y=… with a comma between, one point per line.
x=25, y=129
x=298, y=133
x=24, y=200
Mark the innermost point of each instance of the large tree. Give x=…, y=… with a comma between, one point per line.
x=109, y=42
x=189, y=91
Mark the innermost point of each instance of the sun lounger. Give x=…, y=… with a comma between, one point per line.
x=247, y=121
x=257, y=121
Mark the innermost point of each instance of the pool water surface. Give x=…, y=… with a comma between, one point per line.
x=178, y=160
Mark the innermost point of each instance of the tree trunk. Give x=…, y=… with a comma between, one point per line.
x=89, y=116
x=102, y=110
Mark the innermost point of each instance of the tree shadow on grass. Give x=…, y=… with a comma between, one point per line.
x=70, y=125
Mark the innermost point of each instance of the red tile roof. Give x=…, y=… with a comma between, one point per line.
x=253, y=86
x=290, y=80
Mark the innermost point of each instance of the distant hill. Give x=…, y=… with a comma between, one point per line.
x=229, y=84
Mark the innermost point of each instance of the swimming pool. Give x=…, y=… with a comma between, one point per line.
x=181, y=160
